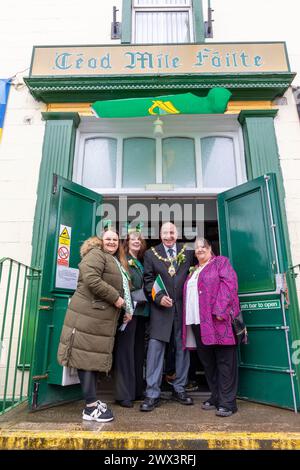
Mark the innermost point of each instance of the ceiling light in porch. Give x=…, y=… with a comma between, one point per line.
x=158, y=127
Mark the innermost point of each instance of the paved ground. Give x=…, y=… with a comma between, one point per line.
x=171, y=426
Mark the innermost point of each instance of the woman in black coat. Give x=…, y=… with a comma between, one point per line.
x=130, y=342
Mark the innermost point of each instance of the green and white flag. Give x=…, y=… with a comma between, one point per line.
x=158, y=286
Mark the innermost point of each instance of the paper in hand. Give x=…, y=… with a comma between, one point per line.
x=122, y=327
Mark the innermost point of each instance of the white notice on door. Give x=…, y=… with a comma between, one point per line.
x=66, y=278
x=70, y=376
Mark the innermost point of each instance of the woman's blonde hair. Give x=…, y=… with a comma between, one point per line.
x=90, y=243
x=142, y=240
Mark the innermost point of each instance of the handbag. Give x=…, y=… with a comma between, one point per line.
x=139, y=296
x=239, y=329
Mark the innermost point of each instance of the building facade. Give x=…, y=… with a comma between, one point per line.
x=241, y=168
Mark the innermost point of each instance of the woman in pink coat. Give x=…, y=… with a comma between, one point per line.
x=210, y=299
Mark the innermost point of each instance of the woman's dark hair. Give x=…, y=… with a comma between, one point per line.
x=143, y=244
x=204, y=242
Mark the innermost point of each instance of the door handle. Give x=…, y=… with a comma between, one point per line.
x=47, y=299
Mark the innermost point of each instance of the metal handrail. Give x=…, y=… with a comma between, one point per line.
x=292, y=269
x=18, y=305
x=20, y=263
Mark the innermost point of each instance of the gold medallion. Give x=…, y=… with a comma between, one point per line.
x=172, y=270
x=180, y=258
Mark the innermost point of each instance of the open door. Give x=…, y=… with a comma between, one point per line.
x=251, y=236
x=72, y=219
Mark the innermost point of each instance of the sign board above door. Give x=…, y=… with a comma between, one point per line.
x=168, y=59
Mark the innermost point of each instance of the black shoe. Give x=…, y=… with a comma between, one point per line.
x=139, y=398
x=182, y=398
x=224, y=412
x=149, y=404
x=125, y=403
x=207, y=405
x=192, y=386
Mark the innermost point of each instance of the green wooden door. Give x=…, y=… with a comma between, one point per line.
x=73, y=212
x=251, y=236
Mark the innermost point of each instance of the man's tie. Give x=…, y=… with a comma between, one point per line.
x=171, y=254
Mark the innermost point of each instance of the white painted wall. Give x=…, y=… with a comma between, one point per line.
x=287, y=128
x=258, y=20
x=23, y=25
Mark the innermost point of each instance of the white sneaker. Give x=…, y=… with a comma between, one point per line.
x=94, y=413
x=101, y=405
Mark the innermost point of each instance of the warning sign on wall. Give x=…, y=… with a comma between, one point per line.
x=65, y=235
x=64, y=245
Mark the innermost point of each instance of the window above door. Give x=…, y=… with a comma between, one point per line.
x=205, y=163
x=162, y=21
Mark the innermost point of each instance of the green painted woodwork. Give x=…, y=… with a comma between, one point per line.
x=246, y=238
x=47, y=396
x=68, y=200
x=57, y=157
x=266, y=334
x=126, y=22
x=261, y=151
x=269, y=345
x=268, y=385
x=262, y=318
x=264, y=86
x=257, y=274
x=262, y=156
x=198, y=22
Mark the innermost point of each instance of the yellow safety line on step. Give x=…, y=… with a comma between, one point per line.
x=75, y=440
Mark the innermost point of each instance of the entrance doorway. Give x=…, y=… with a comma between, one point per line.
x=193, y=217
x=249, y=232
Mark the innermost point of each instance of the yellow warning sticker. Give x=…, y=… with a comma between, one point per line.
x=64, y=241
x=65, y=233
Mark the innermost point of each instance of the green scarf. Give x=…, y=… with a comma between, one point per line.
x=125, y=279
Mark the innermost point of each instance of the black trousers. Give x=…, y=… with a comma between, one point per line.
x=221, y=371
x=88, y=382
x=129, y=360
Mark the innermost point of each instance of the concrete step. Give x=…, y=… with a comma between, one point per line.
x=171, y=426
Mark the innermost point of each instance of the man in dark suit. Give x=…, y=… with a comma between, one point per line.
x=172, y=262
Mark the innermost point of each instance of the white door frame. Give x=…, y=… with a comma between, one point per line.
x=193, y=126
